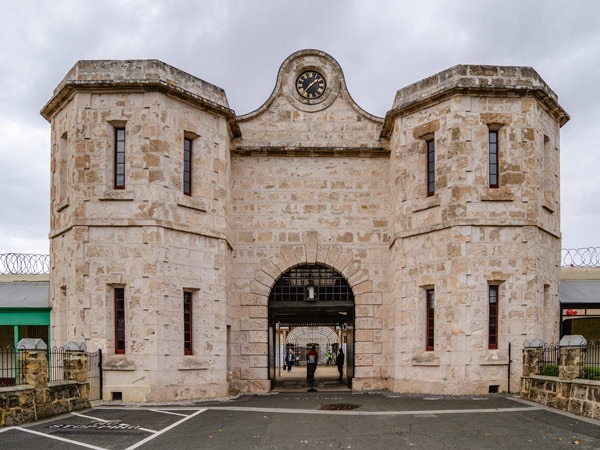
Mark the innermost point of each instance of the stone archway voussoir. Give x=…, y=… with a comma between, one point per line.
x=263, y=277
x=343, y=260
x=332, y=255
x=269, y=268
x=259, y=288
x=288, y=253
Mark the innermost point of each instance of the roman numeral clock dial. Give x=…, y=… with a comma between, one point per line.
x=310, y=84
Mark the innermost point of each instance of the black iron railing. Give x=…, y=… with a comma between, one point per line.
x=549, y=363
x=590, y=362
x=10, y=366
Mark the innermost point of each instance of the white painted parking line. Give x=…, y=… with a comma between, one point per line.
x=57, y=438
x=164, y=430
x=374, y=413
x=98, y=419
x=168, y=412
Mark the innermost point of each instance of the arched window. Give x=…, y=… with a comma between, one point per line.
x=311, y=282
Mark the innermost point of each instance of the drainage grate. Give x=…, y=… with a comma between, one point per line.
x=339, y=406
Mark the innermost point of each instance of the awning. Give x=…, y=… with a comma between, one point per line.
x=580, y=291
x=24, y=294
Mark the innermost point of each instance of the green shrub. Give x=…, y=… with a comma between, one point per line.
x=591, y=373
x=550, y=370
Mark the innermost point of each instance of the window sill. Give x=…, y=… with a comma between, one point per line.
x=549, y=206
x=62, y=205
x=428, y=203
x=494, y=358
x=502, y=194
x=192, y=362
x=116, y=194
x=196, y=203
x=425, y=359
x=118, y=363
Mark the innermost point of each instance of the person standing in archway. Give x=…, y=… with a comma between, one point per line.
x=289, y=359
x=311, y=364
x=339, y=360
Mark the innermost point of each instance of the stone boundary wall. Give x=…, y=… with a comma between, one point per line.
x=581, y=397
x=35, y=398
x=566, y=392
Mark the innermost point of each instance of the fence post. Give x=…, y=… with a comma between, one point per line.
x=533, y=353
x=75, y=361
x=75, y=366
x=571, y=357
x=33, y=362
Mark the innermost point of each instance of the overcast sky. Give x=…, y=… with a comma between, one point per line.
x=381, y=45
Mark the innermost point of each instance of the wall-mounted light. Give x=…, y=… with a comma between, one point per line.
x=310, y=292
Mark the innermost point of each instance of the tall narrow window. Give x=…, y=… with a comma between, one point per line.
x=187, y=323
x=187, y=166
x=430, y=298
x=62, y=183
x=430, y=167
x=120, y=320
x=493, y=317
x=493, y=159
x=119, y=158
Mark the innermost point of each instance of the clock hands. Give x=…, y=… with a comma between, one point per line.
x=310, y=85
x=316, y=80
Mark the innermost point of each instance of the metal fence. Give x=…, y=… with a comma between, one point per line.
x=590, y=362
x=549, y=363
x=94, y=373
x=57, y=357
x=10, y=366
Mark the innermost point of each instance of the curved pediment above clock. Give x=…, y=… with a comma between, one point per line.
x=309, y=107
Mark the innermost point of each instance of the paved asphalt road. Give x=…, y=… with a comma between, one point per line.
x=308, y=420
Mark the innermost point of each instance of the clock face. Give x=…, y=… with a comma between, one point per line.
x=310, y=84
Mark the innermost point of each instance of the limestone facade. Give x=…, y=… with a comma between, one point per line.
x=303, y=181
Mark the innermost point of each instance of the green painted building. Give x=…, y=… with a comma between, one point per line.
x=24, y=308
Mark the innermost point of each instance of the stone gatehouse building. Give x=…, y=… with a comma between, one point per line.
x=194, y=246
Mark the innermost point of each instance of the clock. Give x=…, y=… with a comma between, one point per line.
x=310, y=84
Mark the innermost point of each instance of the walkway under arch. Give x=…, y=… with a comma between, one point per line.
x=310, y=304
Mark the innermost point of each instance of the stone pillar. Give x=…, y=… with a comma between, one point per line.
x=533, y=354
x=571, y=357
x=33, y=363
x=75, y=362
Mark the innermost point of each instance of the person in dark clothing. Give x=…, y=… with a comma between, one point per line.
x=289, y=359
x=311, y=364
x=339, y=360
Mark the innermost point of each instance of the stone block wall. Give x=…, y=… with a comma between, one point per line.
x=566, y=392
x=467, y=235
x=302, y=181
x=148, y=238
x=35, y=399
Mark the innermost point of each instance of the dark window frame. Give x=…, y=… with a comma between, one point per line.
x=187, y=166
x=493, y=291
x=188, y=348
x=119, y=302
x=119, y=166
x=430, y=319
x=430, y=146
x=493, y=159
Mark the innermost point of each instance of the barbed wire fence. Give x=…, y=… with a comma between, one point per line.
x=24, y=264
x=580, y=257
x=39, y=264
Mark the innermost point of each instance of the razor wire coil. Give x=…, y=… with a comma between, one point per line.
x=24, y=264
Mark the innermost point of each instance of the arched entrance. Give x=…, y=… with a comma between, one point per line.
x=310, y=304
